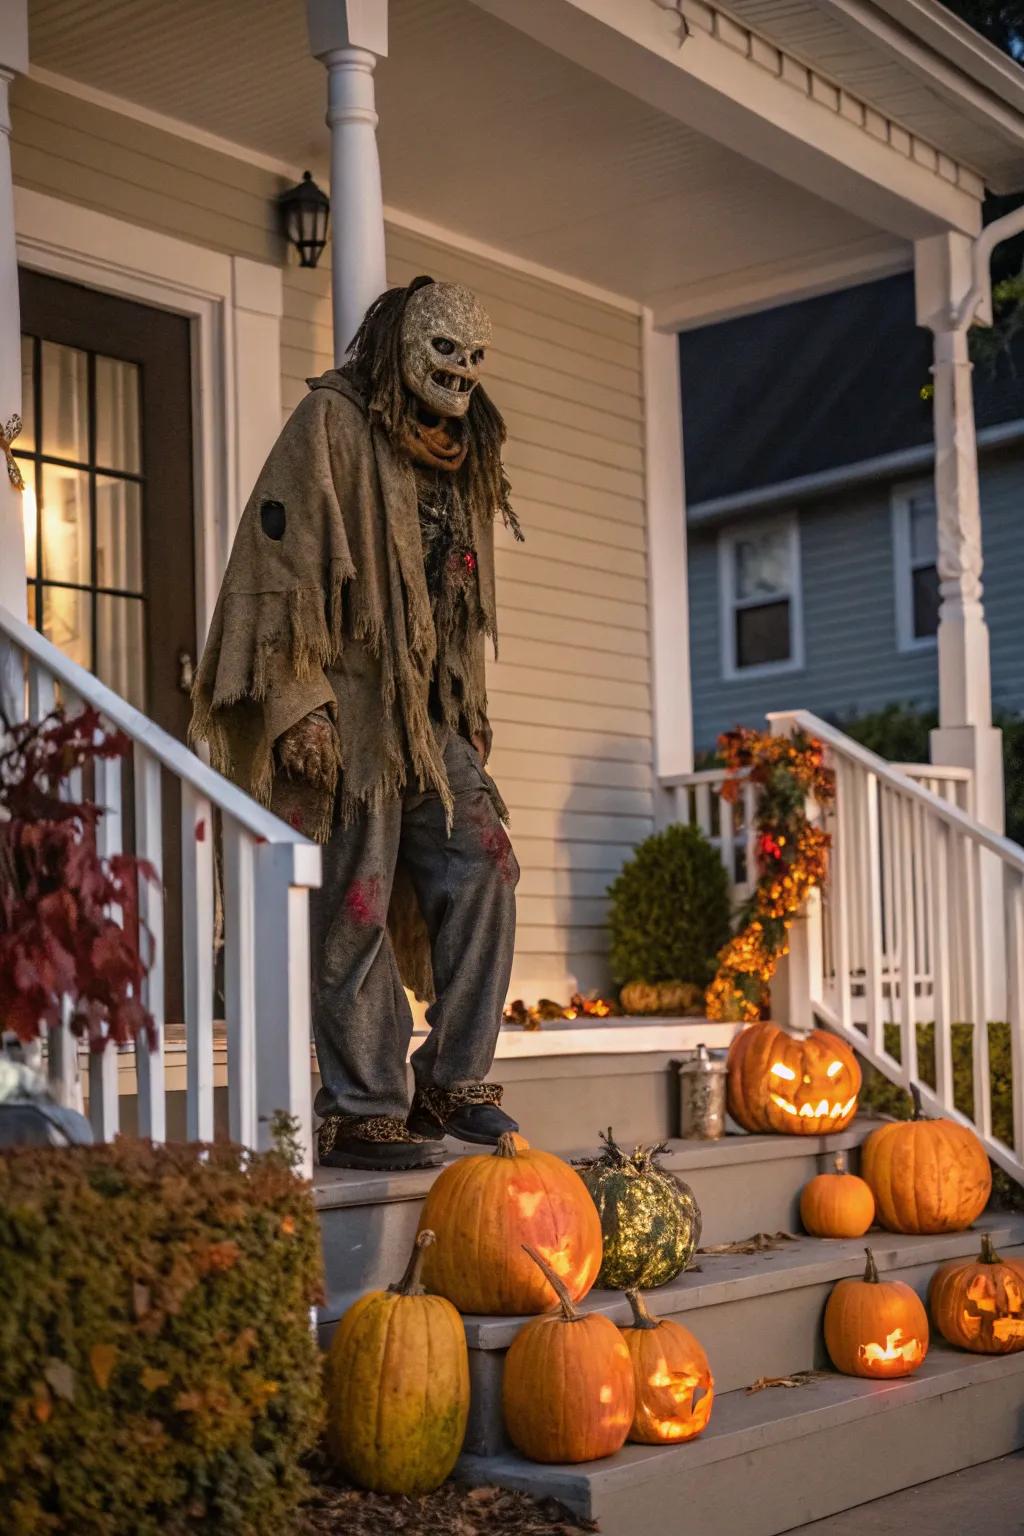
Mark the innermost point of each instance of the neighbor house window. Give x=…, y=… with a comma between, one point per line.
x=759, y=566
x=914, y=556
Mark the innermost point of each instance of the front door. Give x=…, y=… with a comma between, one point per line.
x=106, y=452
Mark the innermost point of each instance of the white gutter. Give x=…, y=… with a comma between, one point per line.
x=803, y=487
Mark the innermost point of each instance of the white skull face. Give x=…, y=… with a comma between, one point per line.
x=445, y=333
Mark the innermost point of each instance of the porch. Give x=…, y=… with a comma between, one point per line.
x=613, y=171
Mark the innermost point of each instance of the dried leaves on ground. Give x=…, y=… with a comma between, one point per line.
x=798, y=1379
x=758, y=1242
x=338, y=1509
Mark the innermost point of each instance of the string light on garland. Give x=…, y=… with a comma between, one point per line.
x=792, y=857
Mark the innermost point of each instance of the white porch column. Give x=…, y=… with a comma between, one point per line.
x=349, y=36
x=13, y=60
x=965, y=736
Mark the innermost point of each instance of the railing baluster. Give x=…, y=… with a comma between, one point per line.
x=282, y=987
x=750, y=836
x=149, y=1059
x=41, y=691
x=197, y=957
x=1013, y=901
x=104, y=1102
x=973, y=858
x=240, y=981
x=702, y=800
x=12, y=680
x=872, y=893
x=939, y=838
x=727, y=844
x=908, y=953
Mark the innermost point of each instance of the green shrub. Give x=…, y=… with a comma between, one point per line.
x=887, y=1098
x=669, y=913
x=158, y=1374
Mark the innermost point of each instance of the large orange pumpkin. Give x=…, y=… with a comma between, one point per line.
x=875, y=1327
x=484, y=1209
x=837, y=1204
x=567, y=1387
x=978, y=1304
x=397, y=1387
x=926, y=1175
x=674, y=1385
x=803, y=1085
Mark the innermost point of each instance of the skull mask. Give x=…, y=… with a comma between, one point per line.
x=444, y=334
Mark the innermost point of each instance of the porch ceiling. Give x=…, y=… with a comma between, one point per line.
x=490, y=134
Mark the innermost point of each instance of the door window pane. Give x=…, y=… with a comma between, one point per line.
x=117, y=415
x=118, y=534
x=30, y=519
x=64, y=517
x=65, y=402
x=119, y=646
x=27, y=440
x=67, y=621
x=762, y=634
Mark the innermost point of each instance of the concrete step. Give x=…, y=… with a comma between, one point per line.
x=743, y=1184
x=755, y=1314
x=781, y=1458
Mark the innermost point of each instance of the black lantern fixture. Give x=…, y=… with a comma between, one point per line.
x=305, y=212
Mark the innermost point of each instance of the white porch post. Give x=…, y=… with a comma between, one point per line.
x=349, y=36
x=13, y=60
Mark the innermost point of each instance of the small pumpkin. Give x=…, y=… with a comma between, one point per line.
x=671, y=1375
x=978, y=1304
x=926, y=1175
x=837, y=1204
x=567, y=1388
x=650, y=1220
x=397, y=1386
x=804, y=1085
x=485, y=1208
x=661, y=997
x=875, y=1327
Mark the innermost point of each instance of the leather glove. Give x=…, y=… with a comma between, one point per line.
x=308, y=750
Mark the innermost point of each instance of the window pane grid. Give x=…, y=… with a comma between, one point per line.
x=83, y=615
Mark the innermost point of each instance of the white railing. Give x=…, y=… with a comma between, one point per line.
x=255, y=917
x=921, y=924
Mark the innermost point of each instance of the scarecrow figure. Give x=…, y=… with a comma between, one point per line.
x=343, y=685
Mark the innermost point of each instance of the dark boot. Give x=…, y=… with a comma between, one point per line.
x=374, y=1141
x=471, y=1113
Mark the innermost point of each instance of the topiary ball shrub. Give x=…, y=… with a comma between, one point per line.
x=669, y=913
x=158, y=1373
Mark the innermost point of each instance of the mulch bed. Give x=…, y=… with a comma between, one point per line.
x=338, y=1509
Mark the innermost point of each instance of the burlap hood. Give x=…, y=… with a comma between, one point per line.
x=324, y=603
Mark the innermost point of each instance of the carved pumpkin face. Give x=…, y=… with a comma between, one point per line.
x=780, y=1082
x=876, y=1328
x=674, y=1385
x=978, y=1304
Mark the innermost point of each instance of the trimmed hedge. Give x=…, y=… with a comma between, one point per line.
x=669, y=912
x=158, y=1373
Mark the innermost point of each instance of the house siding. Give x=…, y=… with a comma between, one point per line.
x=570, y=696
x=853, y=664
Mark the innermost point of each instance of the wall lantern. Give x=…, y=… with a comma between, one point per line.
x=305, y=212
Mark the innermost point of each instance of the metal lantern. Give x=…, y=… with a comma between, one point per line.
x=305, y=213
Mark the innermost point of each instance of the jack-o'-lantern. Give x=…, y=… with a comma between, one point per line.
x=926, y=1175
x=837, y=1204
x=979, y=1303
x=803, y=1085
x=674, y=1385
x=485, y=1208
x=875, y=1327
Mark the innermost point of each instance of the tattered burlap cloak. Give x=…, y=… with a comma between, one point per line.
x=334, y=612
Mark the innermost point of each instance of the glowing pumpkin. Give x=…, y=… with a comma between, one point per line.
x=484, y=1209
x=875, y=1327
x=978, y=1304
x=567, y=1388
x=837, y=1204
x=804, y=1085
x=926, y=1175
x=397, y=1386
x=674, y=1385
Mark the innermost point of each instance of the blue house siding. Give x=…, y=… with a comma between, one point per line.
x=852, y=661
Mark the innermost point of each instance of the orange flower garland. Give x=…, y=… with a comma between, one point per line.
x=793, y=858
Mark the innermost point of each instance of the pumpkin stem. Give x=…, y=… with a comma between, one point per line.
x=641, y=1316
x=915, y=1094
x=988, y=1253
x=507, y=1145
x=840, y=1163
x=565, y=1301
x=871, y=1268
x=410, y=1283
x=611, y=1152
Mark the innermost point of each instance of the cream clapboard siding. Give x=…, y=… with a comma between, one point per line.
x=570, y=694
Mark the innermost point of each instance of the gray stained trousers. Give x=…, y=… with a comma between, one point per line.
x=465, y=884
